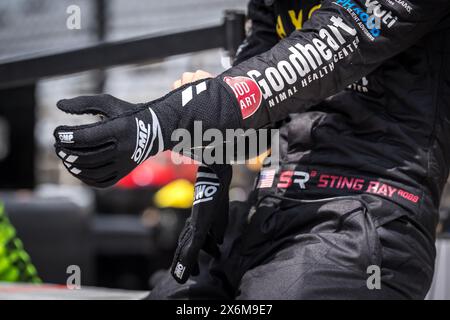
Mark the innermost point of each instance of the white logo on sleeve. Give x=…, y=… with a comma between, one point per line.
x=187, y=93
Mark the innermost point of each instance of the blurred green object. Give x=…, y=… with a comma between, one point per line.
x=15, y=263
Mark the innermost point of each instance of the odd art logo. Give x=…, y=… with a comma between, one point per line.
x=247, y=92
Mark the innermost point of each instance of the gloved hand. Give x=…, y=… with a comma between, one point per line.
x=205, y=228
x=100, y=154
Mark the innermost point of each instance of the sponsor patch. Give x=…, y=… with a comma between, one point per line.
x=247, y=93
x=315, y=181
x=307, y=62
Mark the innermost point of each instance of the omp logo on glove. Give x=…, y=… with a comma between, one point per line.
x=179, y=270
x=145, y=138
x=142, y=139
x=247, y=93
x=206, y=187
x=66, y=137
x=204, y=191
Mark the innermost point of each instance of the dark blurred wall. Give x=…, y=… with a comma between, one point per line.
x=17, y=114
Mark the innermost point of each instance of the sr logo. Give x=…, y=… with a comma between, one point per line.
x=287, y=178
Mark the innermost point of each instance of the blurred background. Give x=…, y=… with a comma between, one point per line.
x=119, y=237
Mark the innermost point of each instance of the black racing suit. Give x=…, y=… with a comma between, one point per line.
x=361, y=92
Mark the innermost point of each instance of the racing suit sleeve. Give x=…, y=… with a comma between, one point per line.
x=261, y=35
x=341, y=43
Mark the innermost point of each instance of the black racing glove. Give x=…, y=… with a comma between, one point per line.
x=205, y=228
x=102, y=153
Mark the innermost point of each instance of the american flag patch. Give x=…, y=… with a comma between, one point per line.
x=266, y=178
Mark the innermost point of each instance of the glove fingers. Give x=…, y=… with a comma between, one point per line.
x=103, y=104
x=85, y=136
x=91, y=158
x=102, y=176
x=98, y=174
x=192, y=239
x=186, y=255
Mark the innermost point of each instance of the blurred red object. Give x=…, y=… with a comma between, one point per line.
x=160, y=170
